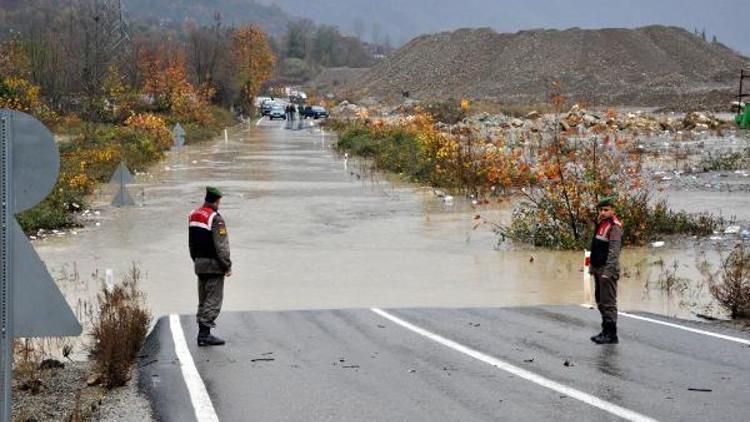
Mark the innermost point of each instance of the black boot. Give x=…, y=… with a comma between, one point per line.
x=206, y=339
x=598, y=336
x=609, y=335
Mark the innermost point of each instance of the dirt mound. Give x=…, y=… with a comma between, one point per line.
x=332, y=78
x=649, y=66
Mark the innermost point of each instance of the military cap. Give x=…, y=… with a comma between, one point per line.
x=607, y=201
x=212, y=194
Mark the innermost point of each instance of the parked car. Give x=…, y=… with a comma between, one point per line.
x=266, y=106
x=315, y=112
x=277, y=112
x=260, y=100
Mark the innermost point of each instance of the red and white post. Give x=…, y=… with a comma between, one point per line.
x=588, y=288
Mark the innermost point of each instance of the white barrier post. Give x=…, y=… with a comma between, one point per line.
x=226, y=137
x=588, y=297
x=109, y=279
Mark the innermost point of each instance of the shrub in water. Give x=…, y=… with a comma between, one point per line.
x=119, y=329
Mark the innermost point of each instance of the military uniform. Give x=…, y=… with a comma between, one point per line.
x=605, y=267
x=209, y=248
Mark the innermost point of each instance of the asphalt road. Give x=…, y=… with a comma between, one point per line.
x=533, y=363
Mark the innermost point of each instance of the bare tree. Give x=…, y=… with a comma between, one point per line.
x=71, y=45
x=87, y=36
x=298, y=38
x=206, y=47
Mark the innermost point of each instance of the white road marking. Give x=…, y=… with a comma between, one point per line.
x=204, y=409
x=519, y=372
x=259, y=120
x=682, y=327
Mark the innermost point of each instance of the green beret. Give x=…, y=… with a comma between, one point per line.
x=607, y=201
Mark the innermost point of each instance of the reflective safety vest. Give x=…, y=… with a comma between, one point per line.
x=199, y=231
x=600, y=242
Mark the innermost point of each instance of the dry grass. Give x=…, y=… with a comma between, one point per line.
x=27, y=358
x=730, y=285
x=119, y=329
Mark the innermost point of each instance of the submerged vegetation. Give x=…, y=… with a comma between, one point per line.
x=558, y=174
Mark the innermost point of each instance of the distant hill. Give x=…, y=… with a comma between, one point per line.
x=402, y=20
x=233, y=12
x=654, y=65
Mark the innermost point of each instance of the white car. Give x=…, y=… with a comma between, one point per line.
x=277, y=112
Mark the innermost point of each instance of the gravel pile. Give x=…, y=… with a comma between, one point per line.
x=650, y=66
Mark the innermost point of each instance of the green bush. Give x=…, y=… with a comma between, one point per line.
x=52, y=213
x=641, y=223
x=400, y=152
x=395, y=150
x=359, y=140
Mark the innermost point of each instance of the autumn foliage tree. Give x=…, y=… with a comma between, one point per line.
x=254, y=61
x=166, y=83
x=17, y=91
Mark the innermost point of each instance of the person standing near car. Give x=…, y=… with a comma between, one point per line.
x=605, y=267
x=209, y=249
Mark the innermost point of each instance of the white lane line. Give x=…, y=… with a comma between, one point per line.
x=259, y=120
x=204, y=410
x=519, y=372
x=682, y=327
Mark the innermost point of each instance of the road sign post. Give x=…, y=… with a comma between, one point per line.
x=178, y=136
x=6, y=270
x=30, y=303
x=121, y=178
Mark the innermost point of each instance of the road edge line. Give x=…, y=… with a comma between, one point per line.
x=682, y=327
x=520, y=372
x=258, y=122
x=204, y=409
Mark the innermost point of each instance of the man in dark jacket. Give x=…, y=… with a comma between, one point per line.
x=209, y=249
x=605, y=267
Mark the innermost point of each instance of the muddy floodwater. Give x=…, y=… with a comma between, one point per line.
x=310, y=231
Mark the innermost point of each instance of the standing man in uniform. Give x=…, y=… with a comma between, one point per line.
x=209, y=249
x=605, y=267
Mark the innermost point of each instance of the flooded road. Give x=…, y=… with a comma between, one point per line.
x=306, y=232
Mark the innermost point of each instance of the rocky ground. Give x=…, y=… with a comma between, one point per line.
x=61, y=392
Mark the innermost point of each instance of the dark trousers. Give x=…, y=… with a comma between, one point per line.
x=210, y=298
x=605, y=291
